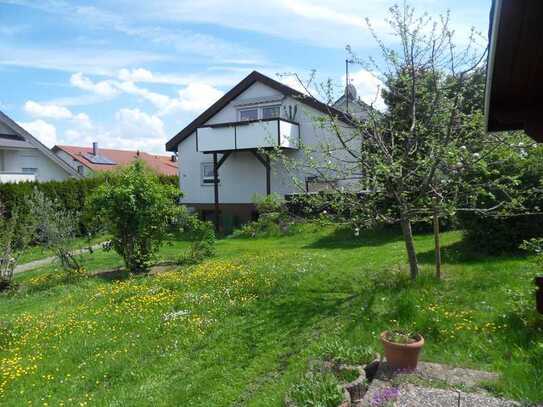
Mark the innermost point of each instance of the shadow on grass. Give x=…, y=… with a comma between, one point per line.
x=117, y=274
x=344, y=239
x=462, y=252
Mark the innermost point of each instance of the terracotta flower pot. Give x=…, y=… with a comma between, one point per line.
x=539, y=294
x=402, y=356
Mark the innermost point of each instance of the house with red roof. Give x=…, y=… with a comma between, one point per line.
x=89, y=160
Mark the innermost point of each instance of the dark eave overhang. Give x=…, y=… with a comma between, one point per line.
x=515, y=67
x=240, y=88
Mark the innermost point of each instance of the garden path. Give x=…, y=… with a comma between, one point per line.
x=48, y=260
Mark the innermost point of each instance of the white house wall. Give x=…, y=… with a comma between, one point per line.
x=242, y=175
x=47, y=170
x=68, y=159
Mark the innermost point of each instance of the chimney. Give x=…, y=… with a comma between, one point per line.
x=95, y=148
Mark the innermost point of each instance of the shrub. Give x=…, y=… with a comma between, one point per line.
x=55, y=228
x=201, y=234
x=504, y=230
x=497, y=235
x=273, y=218
x=137, y=210
x=15, y=232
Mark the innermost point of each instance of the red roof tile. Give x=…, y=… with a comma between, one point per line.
x=160, y=163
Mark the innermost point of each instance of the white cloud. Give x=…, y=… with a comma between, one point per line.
x=83, y=120
x=194, y=97
x=197, y=97
x=47, y=110
x=158, y=100
x=43, y=131
x=132, y=129
x=55, y=111
x=103, y=88
x=294, y=82
x=315, y=12
x=136, y=75
x=218, y=76
x=91, y=61
x=137, y=124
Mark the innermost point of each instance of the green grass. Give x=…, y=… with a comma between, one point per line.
x=240, y=328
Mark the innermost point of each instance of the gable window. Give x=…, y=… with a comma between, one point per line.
x=29, y=170
x=270, y=112
x=248, y=114
x=207, y=174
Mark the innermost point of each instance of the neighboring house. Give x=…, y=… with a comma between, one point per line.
x=258, y=113
x=89, y=160
x=350, y=103
x=24, y=158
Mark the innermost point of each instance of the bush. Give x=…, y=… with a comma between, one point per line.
x=520, y=168
x=55, y=228
x=497, y=235
x=273, y=218
x=201, y=234
x=15, y=232
x=137, y=210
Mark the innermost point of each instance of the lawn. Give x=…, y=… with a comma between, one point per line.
x=240, y=328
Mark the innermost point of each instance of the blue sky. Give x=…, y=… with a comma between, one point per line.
x=132, y=73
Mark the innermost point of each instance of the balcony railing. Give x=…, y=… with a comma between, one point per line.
x=14, y=177
x=248, y=135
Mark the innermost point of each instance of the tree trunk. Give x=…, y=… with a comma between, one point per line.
x=410, y=247
x=437, y=243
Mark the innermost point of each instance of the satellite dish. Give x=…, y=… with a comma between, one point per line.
x=350, y=91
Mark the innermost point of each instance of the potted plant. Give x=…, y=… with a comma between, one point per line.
x=402, y=349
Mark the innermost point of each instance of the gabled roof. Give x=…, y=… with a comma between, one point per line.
x=240, y=88
x=159, y=163
x=27, y=140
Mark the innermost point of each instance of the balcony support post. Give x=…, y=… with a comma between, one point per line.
x=266, y=163
x=268, y=176
x=216, y=190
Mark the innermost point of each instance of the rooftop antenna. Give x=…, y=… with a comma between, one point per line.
x=347, y=62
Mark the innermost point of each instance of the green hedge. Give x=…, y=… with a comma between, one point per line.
x=71, y=194
x=500, y=235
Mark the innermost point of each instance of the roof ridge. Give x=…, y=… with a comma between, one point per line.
x=239, y=88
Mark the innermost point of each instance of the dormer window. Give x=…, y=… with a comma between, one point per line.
x=260, y=113
x=270, y=112
x=248, y=114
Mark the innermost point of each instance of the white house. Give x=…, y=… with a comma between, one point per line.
x=225, y=143
x=24, y=158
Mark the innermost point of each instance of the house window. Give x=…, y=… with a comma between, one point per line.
x=207, y=174
x=29, y=170
x=248, y=114
x=80, y=170
x=270, y=112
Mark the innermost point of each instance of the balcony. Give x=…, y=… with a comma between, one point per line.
x=248, y=135
x=14, y=177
